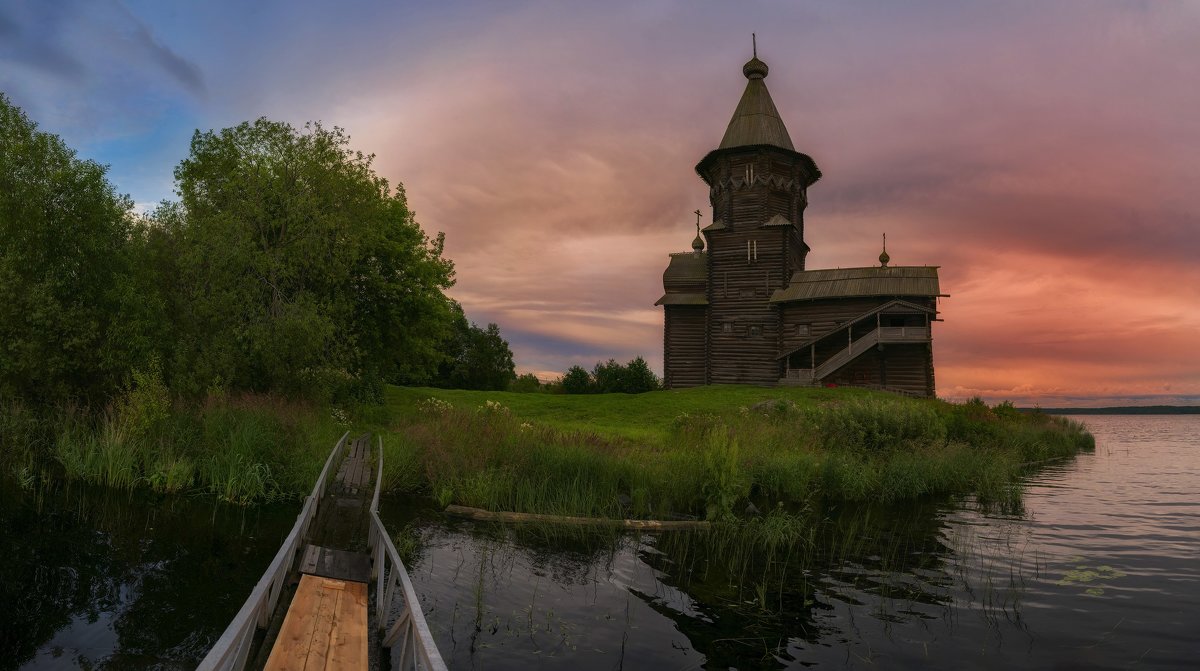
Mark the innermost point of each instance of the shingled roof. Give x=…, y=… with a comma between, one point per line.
x=755, y=120
x=811, y=285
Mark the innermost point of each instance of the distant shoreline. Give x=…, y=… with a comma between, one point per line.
x=1123, y=410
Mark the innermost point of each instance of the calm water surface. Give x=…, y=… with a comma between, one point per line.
x=1098, y=568
x=98, y=579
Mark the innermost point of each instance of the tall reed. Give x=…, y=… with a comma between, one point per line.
x=874, y=447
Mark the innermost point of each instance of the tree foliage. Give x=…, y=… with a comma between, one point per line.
x=526, y=383
x=576, y=381
x=70, y=310
x=477, y=358
x=287, y=266
x=610, y=377
x=301, y=269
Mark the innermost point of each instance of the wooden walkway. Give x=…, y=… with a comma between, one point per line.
x=325, y=628
x=314, y=607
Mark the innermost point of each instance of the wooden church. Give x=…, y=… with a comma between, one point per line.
x=743, y=309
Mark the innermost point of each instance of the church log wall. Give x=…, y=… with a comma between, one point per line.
x=684, y=346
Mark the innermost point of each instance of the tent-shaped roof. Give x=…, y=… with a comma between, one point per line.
x=756, y=121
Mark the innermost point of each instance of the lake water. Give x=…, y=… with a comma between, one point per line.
x=1098, y=568
x=98, y=579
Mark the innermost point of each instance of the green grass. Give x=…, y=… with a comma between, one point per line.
x=639, y=417
x=703, y=453
x=706, y=452
x=243, y=449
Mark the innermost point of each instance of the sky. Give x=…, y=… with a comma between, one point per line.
x=1044, y=155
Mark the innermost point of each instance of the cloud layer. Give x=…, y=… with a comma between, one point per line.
x=1043, y=155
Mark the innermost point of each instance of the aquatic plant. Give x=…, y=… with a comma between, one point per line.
x=706, y=454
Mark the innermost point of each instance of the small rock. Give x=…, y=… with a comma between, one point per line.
x=752, y=509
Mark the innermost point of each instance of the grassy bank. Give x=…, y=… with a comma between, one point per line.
x=706, y=452
x=243, y=449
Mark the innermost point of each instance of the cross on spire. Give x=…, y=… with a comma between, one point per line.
x=754, y=43
x=697, y=213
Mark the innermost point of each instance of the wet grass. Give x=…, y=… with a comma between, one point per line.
x=708, y=452
x=241, y=449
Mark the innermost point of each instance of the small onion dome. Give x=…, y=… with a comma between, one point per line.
x=754, y=69
x=884, y=258
x=698, y=244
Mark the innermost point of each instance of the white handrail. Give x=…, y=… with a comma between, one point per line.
x=410, y=633
x=230, y=651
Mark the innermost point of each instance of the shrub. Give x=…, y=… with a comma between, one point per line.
x=576, y=381
x=526, y=383
x=877, y=425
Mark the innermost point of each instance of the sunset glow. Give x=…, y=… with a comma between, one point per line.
x=1042, y=154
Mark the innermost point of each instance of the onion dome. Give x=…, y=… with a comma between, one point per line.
x=755, y=69
x=698, y=244
x=883, y=256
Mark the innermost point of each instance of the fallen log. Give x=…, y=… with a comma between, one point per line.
x=649, y=525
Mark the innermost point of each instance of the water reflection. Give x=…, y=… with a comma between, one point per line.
x=1096, y=567
x=97, y=579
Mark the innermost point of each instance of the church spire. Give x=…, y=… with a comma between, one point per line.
x=756, y=121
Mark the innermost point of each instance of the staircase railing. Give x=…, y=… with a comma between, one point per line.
x=845, y=356
x=883, y=334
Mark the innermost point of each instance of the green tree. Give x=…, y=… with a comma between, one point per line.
x=638, y=377
x=478, y=359
x=526, y=383
x=71, y=318
x=576, y=381
x=608, y=377
x=300, y=269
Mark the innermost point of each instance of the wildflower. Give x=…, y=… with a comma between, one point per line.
x=435, y=406
x=493, y=407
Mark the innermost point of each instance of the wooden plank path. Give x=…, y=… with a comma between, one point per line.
x=323, y=573
x=325, y=628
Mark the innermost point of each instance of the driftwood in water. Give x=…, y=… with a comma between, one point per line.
x=650, y=525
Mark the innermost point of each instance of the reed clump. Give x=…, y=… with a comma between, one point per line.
x=713, y=464
x=242, y=449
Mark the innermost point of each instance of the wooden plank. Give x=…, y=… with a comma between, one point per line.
x=336, y=564
x=649, y=525
x=325, y=628
x=348, y=641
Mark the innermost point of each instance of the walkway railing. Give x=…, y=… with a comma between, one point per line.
x=409, y=633
x=231, y=650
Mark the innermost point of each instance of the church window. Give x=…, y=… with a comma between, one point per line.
x=727, y=327
x=802, y=330
x=755, y=331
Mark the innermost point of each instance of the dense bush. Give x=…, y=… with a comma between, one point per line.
x=610, y=377
x=576, y=381
x=526, y=383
